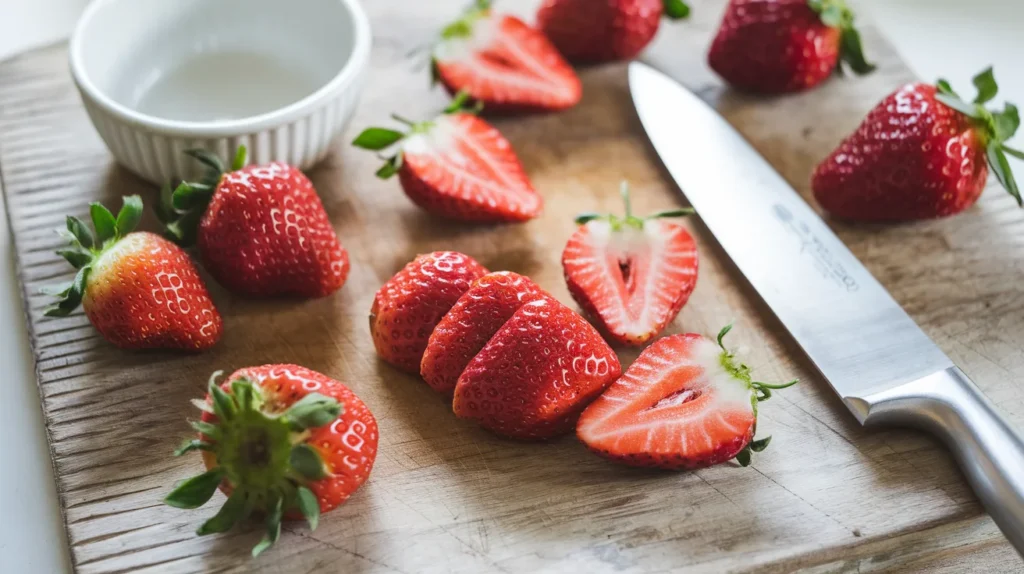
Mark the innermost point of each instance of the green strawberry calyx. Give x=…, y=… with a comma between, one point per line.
x=261, y=453
x=994, y=127
x=675, y=9
x=85, y=247
x=762, y=392
x=182, y=206
x=629, y=220
x=836, y=14
x=388, y=141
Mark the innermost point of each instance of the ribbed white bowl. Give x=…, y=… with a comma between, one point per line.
x=120, y=47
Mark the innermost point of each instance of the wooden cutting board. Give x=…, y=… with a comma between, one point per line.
x=447, y=497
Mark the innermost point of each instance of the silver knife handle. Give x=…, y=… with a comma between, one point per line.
x=989, y=451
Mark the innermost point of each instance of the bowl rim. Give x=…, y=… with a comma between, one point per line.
x=346, y=76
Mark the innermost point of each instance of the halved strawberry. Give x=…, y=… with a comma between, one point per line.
x=504, y=63
x=632, y=274
x=471, y=322
x=684, y=403
x=457, y=166
x=536, y=374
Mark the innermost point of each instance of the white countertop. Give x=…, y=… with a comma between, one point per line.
x=950, y=38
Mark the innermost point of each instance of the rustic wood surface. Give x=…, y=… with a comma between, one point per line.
x=447, y=497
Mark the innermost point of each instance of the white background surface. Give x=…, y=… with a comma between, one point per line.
x=949, y=38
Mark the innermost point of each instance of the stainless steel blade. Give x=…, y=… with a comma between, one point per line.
x=852, y=329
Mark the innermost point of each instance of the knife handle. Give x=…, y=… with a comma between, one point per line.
x=989, y=451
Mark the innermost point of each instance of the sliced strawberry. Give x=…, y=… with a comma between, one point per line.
x=457, y=166
x=536, y=374
x=407, y=308
x=632, y=274
x=684, y=403
x=504, y=63
x=475, y=318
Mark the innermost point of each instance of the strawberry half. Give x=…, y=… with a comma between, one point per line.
x=456, y=166
x=139, y=290
x=261, y=230
x=536, y=374
x=684, y=403
x=586, y=31
x=773, y=46
x=920, y=153
x=280, y=440
x=632, y=274
x=470, y=324
x=408, y=307
x=503, y=63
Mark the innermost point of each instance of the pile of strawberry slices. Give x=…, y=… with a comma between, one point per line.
x=523, y=365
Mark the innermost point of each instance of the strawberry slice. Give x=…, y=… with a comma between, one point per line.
x=503, y=62
x=456, y=166
x=632, y=274
x=470, y=324
x=684, y=403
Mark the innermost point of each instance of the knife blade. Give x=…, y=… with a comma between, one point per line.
x=886, y=370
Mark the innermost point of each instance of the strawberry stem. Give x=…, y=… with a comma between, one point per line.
x=836, y=14
x=261, y=454
x=630, y=219
x=183, y=206
x=675, y=9
x=994, y=127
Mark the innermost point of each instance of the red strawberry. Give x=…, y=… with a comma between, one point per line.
x=684, y=403
x=921, y=153
x=469, y=325
x=632, y=274
x=261, y=230
x=775, y=46
x=590, y=31
x=139, y=290
x=536, y=374
x=280, y=440
x=457, y=166
x=408, y=307
x=503, y=63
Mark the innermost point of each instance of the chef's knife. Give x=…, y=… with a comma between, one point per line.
x=885, y=369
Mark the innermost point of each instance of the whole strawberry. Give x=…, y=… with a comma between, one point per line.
x=456, y=166
x=686, y=402
x=921, y=153
x=280, y=440
x=488, y=304
x=408, y=307
x=631, y=274
x=592, y=31
x=261, y=230
x=139, y=290
x=773, y=46
x=536, y=373
x=503, y=63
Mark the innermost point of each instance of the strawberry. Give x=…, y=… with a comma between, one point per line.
x=503, y=63
x=456, y=166
x=490, y=301
x=261, y=230
x=684, y=403
x=281, y=440
x=773, y=46
x=921, y=153
x=139, y=290
x=593, y=31
x=631, y=274
x=408, y=307
x=536, y=374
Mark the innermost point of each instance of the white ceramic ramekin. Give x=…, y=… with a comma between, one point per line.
x=123, y=51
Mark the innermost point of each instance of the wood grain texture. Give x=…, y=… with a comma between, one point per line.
x=447, y=497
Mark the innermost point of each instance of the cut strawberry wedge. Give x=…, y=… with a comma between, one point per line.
x=456, y=166
x=684, y=403
x=502, y=62
x=632, y=274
